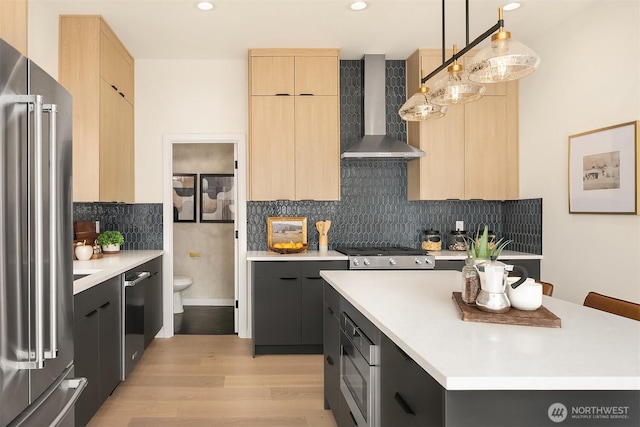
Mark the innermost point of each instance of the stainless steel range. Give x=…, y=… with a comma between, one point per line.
x=388, y=258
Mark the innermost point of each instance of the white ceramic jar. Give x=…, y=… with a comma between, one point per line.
x=527, y=296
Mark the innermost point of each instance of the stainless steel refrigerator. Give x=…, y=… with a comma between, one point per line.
x=37, y=383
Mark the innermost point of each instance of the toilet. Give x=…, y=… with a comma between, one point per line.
x=180, y=283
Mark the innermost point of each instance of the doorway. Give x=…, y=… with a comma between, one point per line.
x=193, y=252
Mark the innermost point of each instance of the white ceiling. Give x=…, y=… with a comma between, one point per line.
x=176, y=29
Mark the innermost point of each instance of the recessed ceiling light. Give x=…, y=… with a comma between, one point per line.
x=511, y=6
x=358, y=5
x=205, y=5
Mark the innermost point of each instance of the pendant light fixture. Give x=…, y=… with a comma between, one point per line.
x=455, y=87
x=418, y=107
x=505, y=59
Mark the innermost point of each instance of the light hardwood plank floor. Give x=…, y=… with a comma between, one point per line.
x=213, y=380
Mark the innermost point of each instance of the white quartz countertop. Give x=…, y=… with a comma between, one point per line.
x=593, y=350
x=303, y=256
x=108, y=266
x=334, y=255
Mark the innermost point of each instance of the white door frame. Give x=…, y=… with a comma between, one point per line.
x=240, y=282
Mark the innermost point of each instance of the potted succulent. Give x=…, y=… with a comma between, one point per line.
x=110, y=241
x=480, y=249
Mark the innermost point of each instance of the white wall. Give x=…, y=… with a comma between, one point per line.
x=589, y=78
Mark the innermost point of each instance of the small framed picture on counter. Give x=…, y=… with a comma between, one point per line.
x=602, y=170
x=184, y=197
x=217, y=198
x=286, y=229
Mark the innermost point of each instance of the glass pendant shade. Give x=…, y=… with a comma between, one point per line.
x=505, y=59
x=456, y=88
x=418, y=107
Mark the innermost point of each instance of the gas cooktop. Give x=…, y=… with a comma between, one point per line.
x=388, y=258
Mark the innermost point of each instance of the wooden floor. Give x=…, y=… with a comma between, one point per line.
x=198, y=380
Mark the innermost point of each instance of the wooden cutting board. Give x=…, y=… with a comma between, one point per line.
x=541, y=317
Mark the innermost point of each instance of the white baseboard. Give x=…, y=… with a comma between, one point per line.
x=213, y=302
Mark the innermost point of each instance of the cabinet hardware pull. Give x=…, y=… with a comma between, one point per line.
x=405, y=407
x=121, y=94
x=330, y=310
x=105, y=304
x=330, y=360
x=114, y=87
x=306, y=94
x=404, y=355
x=93, y=313
x=283, y=94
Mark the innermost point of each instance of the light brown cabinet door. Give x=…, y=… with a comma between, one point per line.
x=272, y=75
x=271, y=150
x=316, y=75
x=317, y=148
x=116, y=146
x=116, y=66
x=13, y=24
x=472, y=152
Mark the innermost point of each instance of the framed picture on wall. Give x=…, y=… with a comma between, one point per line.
x=184, y=197
x=602, y=170
x=217, y=198
x=286, y=229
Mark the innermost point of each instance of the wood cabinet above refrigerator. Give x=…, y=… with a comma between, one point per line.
x=99, y=72
x=472, y=152
x=13, y=24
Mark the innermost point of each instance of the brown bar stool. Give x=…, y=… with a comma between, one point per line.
x=547, y=288
x=613, y=305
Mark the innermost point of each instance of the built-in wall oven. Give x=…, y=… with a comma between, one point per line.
x=360, y=367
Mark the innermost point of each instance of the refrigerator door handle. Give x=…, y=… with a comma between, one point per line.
x=36, y=358
x=51, y=351
x=79, y=385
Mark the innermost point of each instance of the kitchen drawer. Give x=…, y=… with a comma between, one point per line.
x=394, y=411
x=313, y=268
x=87, y=301
x=282, y=269
x=418, y=391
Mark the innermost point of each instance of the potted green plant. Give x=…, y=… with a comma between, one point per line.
x=110, y=241
x=482, y=248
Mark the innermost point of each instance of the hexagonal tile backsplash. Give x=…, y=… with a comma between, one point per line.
x=374, y=209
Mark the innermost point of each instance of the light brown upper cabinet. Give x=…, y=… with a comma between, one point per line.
x=472, y=152
x=14, y=24
x=99, y=72
x=294, y=124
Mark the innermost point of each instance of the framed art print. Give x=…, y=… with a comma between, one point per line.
x=603, y=176
x=184, y=197
x=217, y=198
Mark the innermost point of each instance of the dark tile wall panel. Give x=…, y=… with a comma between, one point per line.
x=140, y=224
x=522, y=222
x=374, y=209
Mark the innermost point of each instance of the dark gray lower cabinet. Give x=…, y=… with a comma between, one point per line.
x=287, y=305
x=152, y=299
x=532, y=265
x=410, y=396
x=96, y=332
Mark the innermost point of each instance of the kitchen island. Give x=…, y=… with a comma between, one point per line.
x=489, y=373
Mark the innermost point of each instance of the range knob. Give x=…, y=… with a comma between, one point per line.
x=366, y=261
x=392, y=261
x=428, y=261
x=356, y=262
x=417, y=261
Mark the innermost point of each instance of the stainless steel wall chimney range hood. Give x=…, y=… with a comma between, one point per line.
x=376, y=143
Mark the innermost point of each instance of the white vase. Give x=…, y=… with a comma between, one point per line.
x=110, y=249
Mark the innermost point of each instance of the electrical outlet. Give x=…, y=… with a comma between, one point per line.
x=459, y=225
